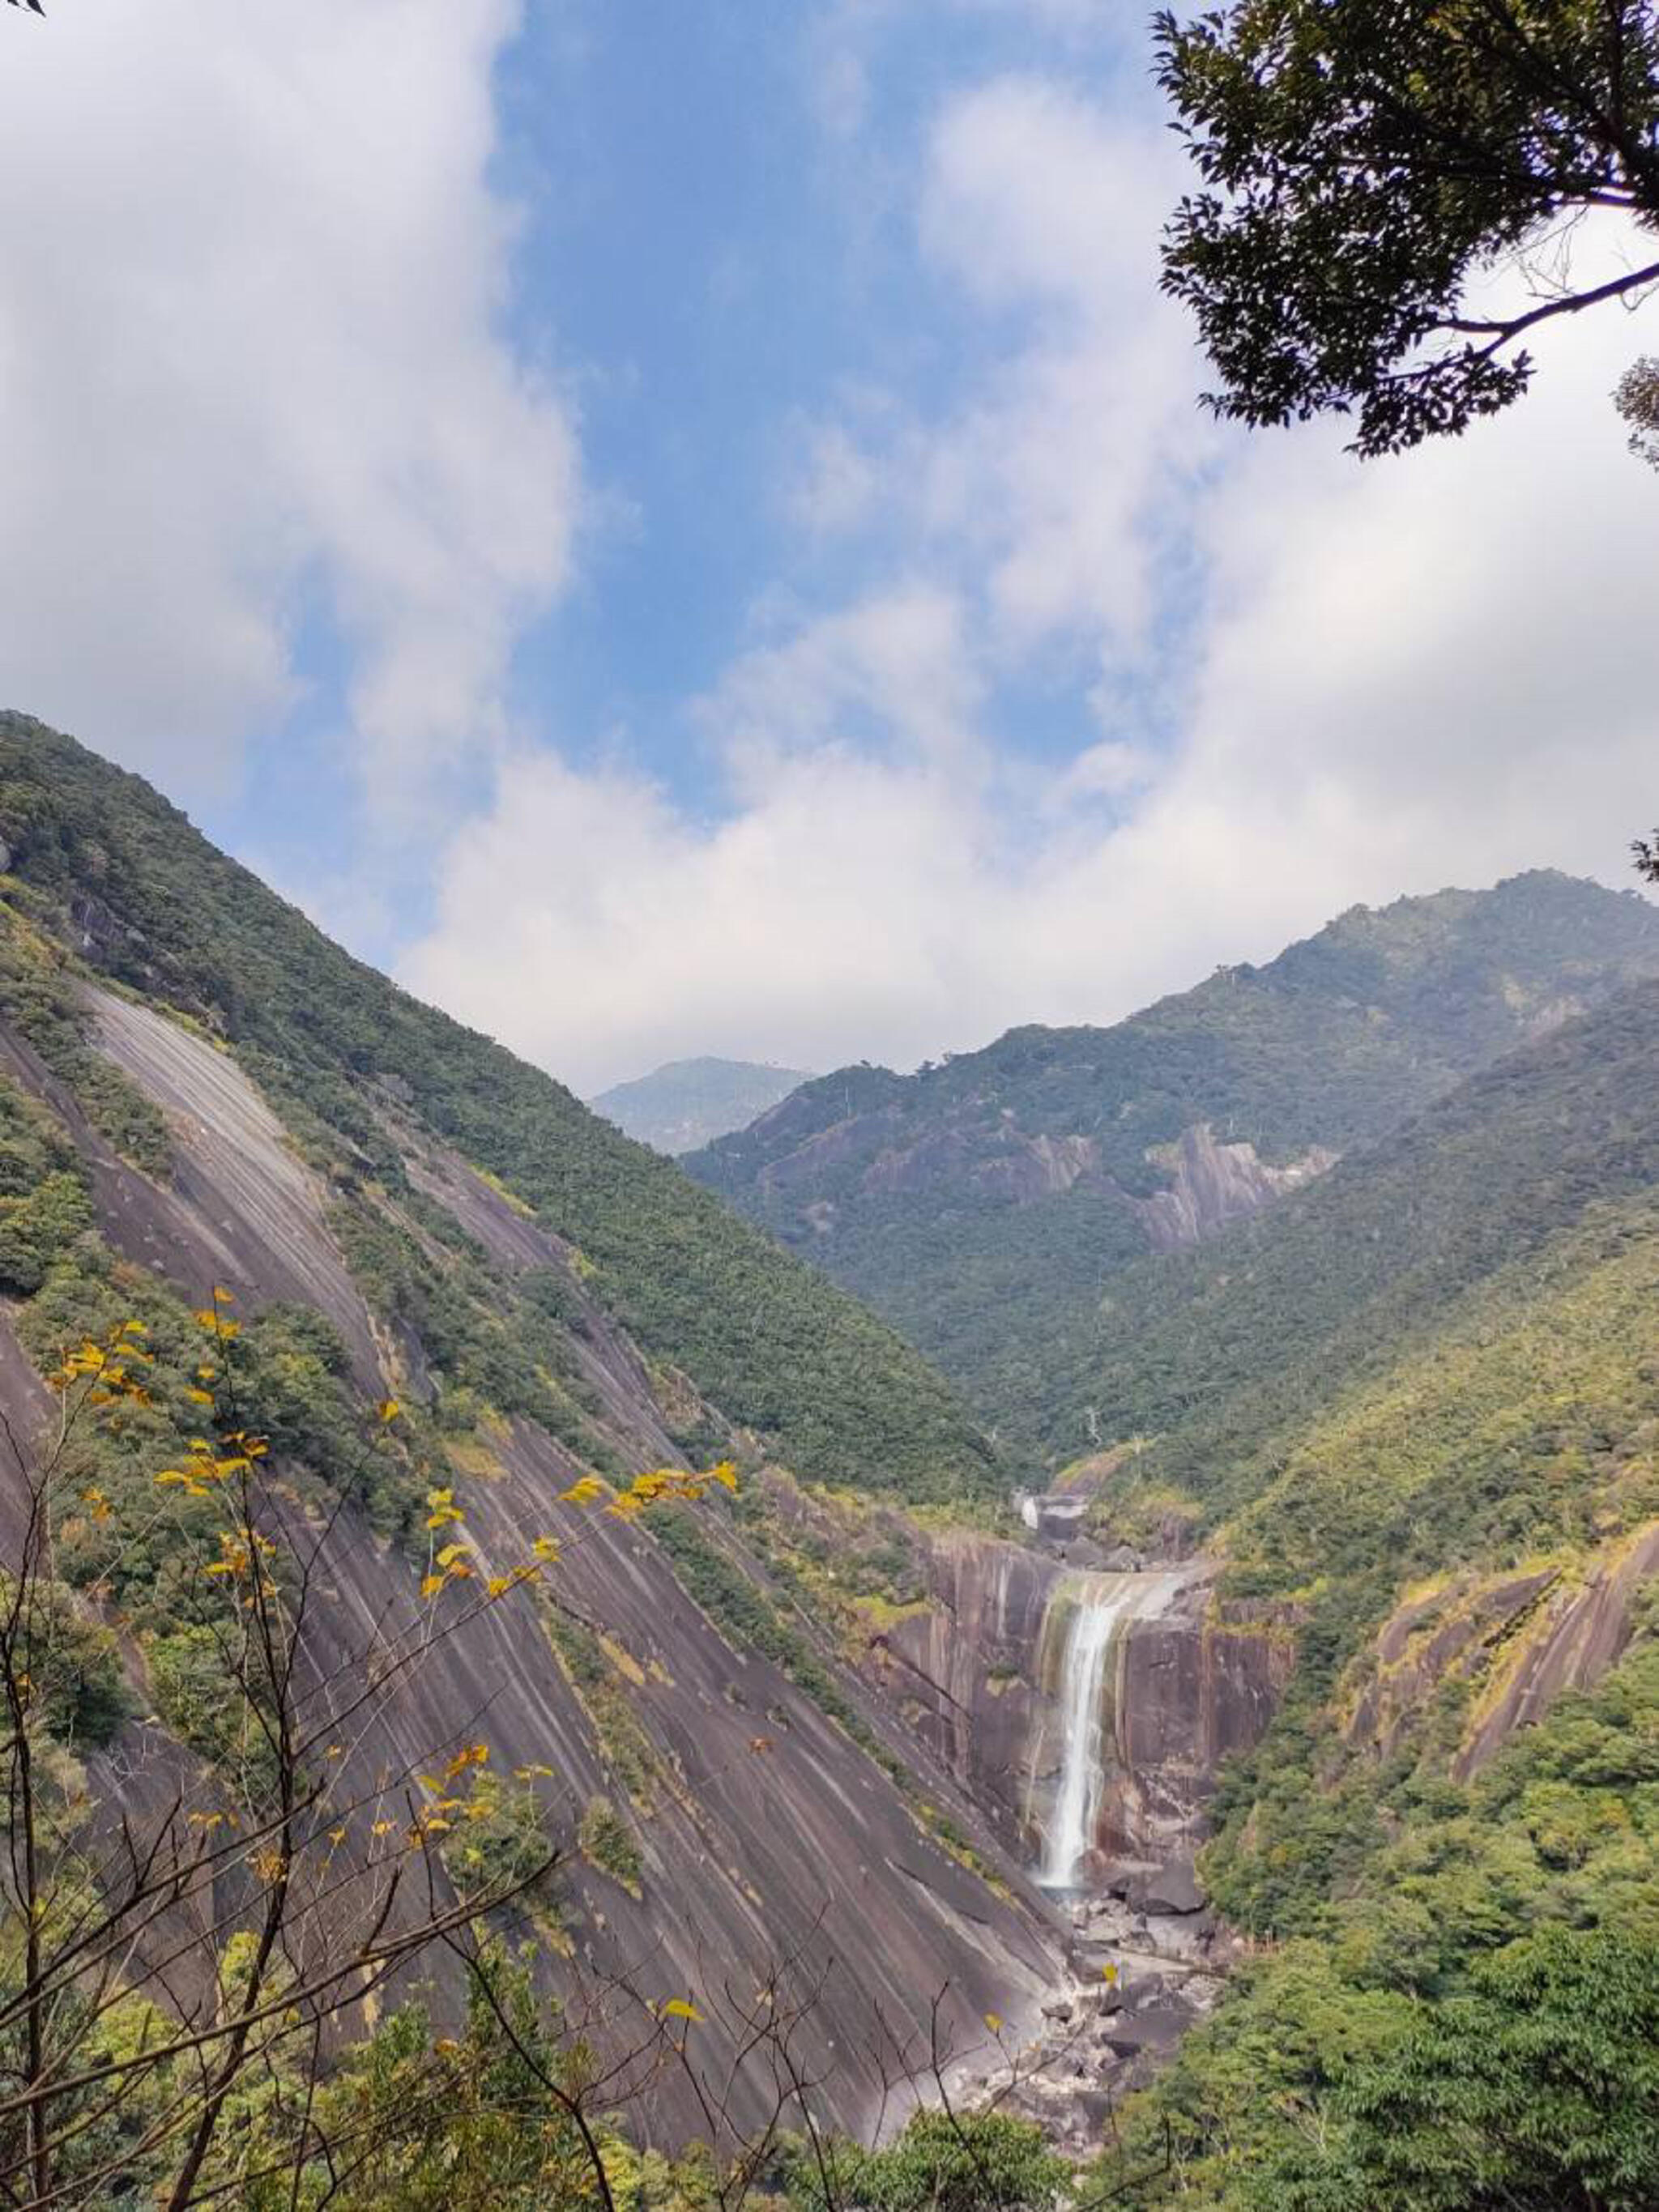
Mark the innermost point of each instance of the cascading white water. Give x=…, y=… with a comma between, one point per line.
x=1071, y=1827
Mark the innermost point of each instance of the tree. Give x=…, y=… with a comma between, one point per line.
x=1647, y=857
x=1638, y=400
x=1537, y=2092
x=981, y=2162
x=1364, y=165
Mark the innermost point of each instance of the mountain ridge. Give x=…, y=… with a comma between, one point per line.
x=687, y=1104
x=151, y=905
x=984, y=1204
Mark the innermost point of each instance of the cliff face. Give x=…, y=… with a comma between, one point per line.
x=1211, y=1184
x=980, y=1677
x=1515, y=1642
x=762, y=1828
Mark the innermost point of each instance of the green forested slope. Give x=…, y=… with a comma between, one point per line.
x=1214, y=1347
x=1431, y=1384
x=985, y=1205
x=104, y=861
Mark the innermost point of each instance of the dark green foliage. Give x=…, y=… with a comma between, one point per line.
x=492, y=1349
x=978, y=2162
x=1436, y=1367
x=73, y=1665
x=987, y=1206
x=43, y=1198
x=455, y=2124
x=1539, y=2089
x=501, y=1844
x=762, y=1337
x=191, y=1682
x=1363, y=166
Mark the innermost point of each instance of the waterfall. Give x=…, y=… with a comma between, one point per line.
x=1093, y=1632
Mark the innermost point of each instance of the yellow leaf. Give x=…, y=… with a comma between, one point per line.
x=431, y=1584
x=450, y=1553
x=388, y=1409
x=199, y=1397
x=725, y=1475
x=678, y=2008
x=1109, y=1974
x=546, y=1547
x=994, y=2022
x=223, y=1296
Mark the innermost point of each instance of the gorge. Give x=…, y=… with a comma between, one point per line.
x=1325, y=1672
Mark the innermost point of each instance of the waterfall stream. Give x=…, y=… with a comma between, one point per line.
x=1090, y=1642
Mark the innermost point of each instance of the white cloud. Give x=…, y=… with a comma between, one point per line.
x=249, y=357
x=1437, y=669
x=894, y=668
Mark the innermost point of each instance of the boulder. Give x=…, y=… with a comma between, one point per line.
x=1172, y=1889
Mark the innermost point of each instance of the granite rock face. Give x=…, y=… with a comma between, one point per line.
x=1520, y=1640
x=980, y=1677
x=1211, y=1184
x=764, y=1831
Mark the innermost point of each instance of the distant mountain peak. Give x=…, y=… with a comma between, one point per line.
x=687, y=1104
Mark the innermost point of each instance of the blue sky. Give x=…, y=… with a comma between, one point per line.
x=689, y=527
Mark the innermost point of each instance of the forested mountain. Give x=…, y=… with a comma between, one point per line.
x=151, y=906
x=687, y=1104
x=1416, y=1409
x=379, y=1434
x=448, y=1562
x=984, y=1205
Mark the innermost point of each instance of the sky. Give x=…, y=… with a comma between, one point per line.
x=689, y=528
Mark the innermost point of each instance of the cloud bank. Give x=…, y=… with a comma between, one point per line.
x=1313, y=681
x=250, y=368
x=1096, y=697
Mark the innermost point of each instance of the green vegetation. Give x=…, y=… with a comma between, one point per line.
x=73, y=1665
x=1470, y=2019
x=1436, y=1370
x=43, y=1196
x=1363, y=171
x=500, y=1842
x=37, y=1003
x=762, y=1337
x=630, y=1753
x=1533, y=1171
x=492, y=1346
x=607, y=1842
x=988, y=1207
x=979, y=2162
